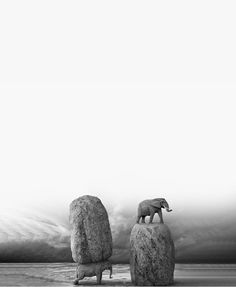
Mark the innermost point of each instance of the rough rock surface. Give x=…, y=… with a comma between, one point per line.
x=91, y=239
x=152, y=258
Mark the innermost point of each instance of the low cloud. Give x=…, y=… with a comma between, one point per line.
x=33, y=251
x=36, y=238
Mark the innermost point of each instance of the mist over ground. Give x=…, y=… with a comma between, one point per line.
x=198, y=239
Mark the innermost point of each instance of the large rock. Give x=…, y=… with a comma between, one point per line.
x=91, y=239
x=152, y=258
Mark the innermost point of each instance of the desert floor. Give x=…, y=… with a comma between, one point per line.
x=62, y=274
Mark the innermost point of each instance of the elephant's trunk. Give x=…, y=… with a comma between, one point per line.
x=168, y=209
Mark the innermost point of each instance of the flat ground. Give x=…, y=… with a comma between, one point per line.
x=62, y=274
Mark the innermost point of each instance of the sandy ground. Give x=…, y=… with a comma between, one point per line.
x=62, y=274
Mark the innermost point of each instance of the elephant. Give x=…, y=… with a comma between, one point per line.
x=150, y=207
x=92, y=269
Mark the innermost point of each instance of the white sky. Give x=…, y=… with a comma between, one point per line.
x=125, y=100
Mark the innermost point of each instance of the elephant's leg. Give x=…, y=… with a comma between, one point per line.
x=138, y=218
x=160, y=215
x=76, y=281
x=99, y=278
x=151, y=217
x=143, y=219
x=77, y=271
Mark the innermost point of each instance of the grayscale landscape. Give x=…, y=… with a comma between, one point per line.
x=62, y=274
x=131, y=102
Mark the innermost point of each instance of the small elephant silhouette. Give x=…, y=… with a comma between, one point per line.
x=150, y=207
x=92, y=269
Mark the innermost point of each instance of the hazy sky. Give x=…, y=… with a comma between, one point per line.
x=122, y=144
x=126, y=101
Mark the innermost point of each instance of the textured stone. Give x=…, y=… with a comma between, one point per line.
x=91, y=239
x=152, y=258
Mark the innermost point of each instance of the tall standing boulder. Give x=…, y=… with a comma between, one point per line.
x=91, y=239
x=152, y=258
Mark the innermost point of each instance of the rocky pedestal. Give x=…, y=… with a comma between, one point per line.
x=152, y=258
x=91, y=239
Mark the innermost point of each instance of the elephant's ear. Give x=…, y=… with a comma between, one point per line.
x=156, y=203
